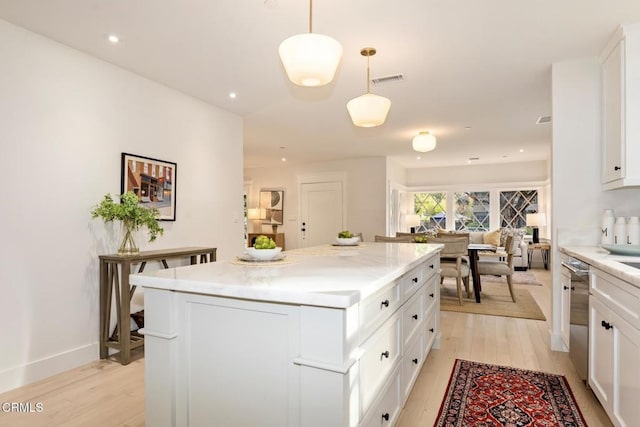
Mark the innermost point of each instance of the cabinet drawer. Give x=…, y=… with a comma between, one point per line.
x=430, y=267
x=377, y=308
x=381, y=354
x=413, y=315
x=431, y=292
x=386, y=410
x=620, y=296
x=430, y=329
x=412, y=359
x=411, y=281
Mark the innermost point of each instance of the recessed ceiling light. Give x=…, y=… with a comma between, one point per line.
x=284, y=159
x=113, y=38
x=232, y=95
x=418, y=158
x=522, y=150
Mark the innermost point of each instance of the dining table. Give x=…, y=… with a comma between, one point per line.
x=473, y=249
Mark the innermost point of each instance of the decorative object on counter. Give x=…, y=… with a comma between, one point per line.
x=153, y=181
x=485, y=394
x=631, y=250
x=535, y=221
x=133, y=216
x=633, y=231
x=608, y=220
x=346, y=238
x=620, y=231
x=262, y=254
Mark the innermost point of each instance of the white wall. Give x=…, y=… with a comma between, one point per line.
x=485, y=174
x=577, y=196
x=65, y=118
x=366, y=193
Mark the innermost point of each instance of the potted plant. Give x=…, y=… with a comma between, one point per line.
x=132, y=215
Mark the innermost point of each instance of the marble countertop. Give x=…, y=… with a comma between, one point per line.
x=329, y=276
x=605, y=261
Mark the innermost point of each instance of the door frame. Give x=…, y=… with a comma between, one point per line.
x=320, y=178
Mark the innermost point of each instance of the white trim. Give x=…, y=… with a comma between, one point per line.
x=480, y=187
x=19, y=376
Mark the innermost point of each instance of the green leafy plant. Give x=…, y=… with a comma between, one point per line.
x=129, y=211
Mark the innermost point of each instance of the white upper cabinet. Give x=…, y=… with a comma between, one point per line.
x=621, y=109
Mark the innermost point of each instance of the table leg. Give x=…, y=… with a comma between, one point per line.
x=473, y=264
x=104, y=318
x=125, y=315
x=545, y=258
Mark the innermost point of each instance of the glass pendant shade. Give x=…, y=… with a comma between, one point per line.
x=310, y=59
x=424, y=142
x=368, y=110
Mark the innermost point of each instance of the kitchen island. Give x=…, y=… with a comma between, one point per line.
x=327, y=336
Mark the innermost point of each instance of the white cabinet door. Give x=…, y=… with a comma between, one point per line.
x=613, y=115
x=626, y=372
x=600, y=352
x=565, y=303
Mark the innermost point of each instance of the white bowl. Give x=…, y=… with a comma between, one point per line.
x=347, y=241
x=263, y=254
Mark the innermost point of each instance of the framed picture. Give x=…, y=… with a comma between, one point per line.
x=153, y=180
x=273, y=202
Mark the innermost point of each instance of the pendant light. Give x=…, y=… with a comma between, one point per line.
x=368, y=110
x=310, y=59
x=423, y=142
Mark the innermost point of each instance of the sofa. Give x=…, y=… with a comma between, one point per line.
x=520, y=246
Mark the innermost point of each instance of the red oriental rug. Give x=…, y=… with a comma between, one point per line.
x=484, y=395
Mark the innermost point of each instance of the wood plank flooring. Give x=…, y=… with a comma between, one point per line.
x=105, y=393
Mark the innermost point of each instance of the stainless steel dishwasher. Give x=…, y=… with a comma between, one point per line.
x=579, y=314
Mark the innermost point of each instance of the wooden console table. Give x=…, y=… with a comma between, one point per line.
x=114, y=278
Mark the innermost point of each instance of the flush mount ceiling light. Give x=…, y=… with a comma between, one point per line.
x=423, y=142
x=368, y=110
x=310, y=59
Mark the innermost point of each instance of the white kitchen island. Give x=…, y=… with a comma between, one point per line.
x=329, y=336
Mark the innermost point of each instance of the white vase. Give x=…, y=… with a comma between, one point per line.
x=620, y=231
x=607, y=227
x=633, y=230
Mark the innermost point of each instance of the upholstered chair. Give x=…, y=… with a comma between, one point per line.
x=402, y=239
x=500, y=266
x=452, y=263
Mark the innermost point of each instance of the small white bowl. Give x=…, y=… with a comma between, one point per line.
x=263, y=254
x=347, y=241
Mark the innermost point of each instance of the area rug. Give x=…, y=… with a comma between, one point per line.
x=484, y=395
x=495, y=300
x=519, y=277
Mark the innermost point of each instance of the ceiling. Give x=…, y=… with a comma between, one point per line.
x=477, y=74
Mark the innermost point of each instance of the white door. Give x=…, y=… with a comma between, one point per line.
x=321, y=213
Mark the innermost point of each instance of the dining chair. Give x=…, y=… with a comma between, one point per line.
x=451, y=261
x=500, y=266
x=401, y=239
x=359, y=236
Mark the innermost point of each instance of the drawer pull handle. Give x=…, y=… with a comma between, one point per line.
x=606, y=325
x=385, y=416
x=384, y=354
x=430, y=329
x=431, y=266
x=431, y=295
x=385, y=303
x=415, y=361
x=415, y=317
x=415, y=280
x=565, y=287
x=616, y=168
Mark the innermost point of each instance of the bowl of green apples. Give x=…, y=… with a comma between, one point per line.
x=346, y=238
x=264, y=249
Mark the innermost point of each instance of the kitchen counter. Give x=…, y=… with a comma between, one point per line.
x=328, y=276
x=605, y=261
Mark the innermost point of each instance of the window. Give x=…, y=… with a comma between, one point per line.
x=514, y=207
x=432, y=208
x=472, y=211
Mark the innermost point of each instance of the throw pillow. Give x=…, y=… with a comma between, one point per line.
x=491, y=238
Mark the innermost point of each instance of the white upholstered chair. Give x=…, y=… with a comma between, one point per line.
x=452, y=261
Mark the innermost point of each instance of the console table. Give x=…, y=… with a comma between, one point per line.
x=114, y=279
x=544, y=249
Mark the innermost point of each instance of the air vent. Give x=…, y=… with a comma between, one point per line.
x=543, y=120
x=471, y=159
x=387, y=79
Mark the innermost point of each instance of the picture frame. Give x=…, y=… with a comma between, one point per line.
x=153, y=181
x=273, y=202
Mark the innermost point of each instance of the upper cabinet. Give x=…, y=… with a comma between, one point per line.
x=621, y=109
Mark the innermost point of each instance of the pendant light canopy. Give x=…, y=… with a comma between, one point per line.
x=310, y=59
x=368, y=110
x=424, y=142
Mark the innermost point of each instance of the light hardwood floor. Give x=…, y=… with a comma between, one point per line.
x=105, y=393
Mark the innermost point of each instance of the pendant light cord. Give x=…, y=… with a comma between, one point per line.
x=311, y=16
x=368, y=77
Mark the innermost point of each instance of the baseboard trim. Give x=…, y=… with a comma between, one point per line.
x=28, y=373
